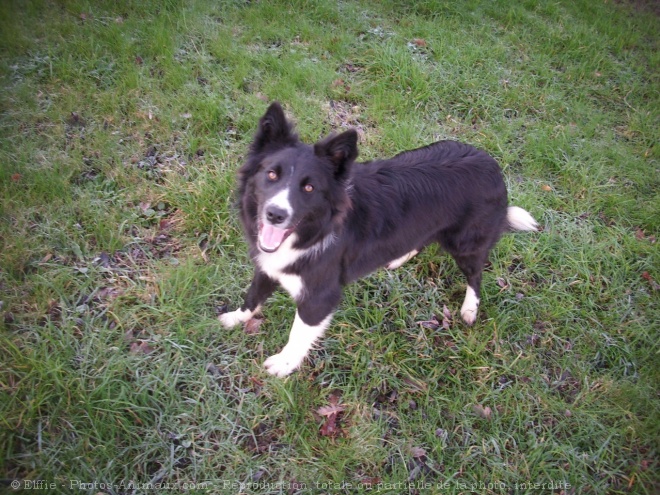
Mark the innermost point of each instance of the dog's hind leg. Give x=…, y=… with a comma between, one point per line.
x=394, y=264
x=261, y=288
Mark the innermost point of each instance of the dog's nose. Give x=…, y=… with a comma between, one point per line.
x=276, y=215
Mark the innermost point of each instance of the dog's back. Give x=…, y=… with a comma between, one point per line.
x=447, y=192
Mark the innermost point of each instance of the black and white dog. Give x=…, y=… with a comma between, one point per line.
x=315, y=220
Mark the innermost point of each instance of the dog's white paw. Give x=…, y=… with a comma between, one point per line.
x=233, y=318
x=470, y=306
x=284, y=363
x=469, y=315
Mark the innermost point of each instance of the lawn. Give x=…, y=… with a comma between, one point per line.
x=122, y=126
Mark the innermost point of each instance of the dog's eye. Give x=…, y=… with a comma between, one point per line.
x=272, y=175
x=308, y=188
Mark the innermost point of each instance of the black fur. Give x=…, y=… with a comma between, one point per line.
x=361, y=216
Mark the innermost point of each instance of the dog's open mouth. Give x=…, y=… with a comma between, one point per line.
x=272, y=237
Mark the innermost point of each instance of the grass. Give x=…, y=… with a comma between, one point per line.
x=122, y=125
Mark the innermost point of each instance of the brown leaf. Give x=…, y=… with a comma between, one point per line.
x=416, y=385
x=330, y=409
x=432, y=324
x=445, y=312
x=647, y=276
x=329, y=427
x=446, y=317
x=481, y=411
x=141, y=347
x=331, y=413
x=420, y=42
x=252, y=326
x=546, y=188
x=417, y=452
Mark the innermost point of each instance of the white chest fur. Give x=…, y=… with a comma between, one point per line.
x=274, y=264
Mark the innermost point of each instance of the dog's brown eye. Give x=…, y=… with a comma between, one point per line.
x=272, y=175
x=308, y=188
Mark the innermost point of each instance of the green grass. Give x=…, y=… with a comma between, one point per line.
x=122, y=125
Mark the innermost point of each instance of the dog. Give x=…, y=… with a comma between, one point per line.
x=316, y=220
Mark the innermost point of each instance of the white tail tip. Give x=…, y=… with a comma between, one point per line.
x=520, y=219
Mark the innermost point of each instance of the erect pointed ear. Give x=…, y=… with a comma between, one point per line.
x=274, y=129
x=341, y=150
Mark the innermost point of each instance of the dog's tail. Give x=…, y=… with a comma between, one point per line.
x=520, y=219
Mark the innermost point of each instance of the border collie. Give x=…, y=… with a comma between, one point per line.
x=315, y=220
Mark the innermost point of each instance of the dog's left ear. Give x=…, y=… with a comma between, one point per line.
x=341, y=150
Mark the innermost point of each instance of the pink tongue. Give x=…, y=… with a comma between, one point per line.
x=271, y=237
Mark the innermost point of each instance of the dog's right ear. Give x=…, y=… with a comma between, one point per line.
x=274, y=130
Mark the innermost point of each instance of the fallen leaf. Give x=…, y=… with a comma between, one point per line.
x=647, y=276
x=16, y=177
x=416, y=385
x=433, y=324
x=256, y=381
x=419, y=42
x=418, y=452
x=329, y=427
x=482, y=412
x=546, y=188
x=330, y=409
x=331, y=413
x=252, y=326
x=141, y=347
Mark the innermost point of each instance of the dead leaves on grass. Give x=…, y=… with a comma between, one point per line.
x=436, y=322
x=331, y=414
x=252, y=326
x=482, y=412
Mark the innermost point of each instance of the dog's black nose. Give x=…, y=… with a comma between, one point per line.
x=276, y=215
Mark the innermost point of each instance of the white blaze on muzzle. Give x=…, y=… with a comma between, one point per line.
x=275, y=225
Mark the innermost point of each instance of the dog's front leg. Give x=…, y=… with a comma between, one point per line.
x=261, y=288
x=301, y=340
x=313, y=317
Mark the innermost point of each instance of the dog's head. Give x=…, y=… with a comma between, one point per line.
x=287, y=187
